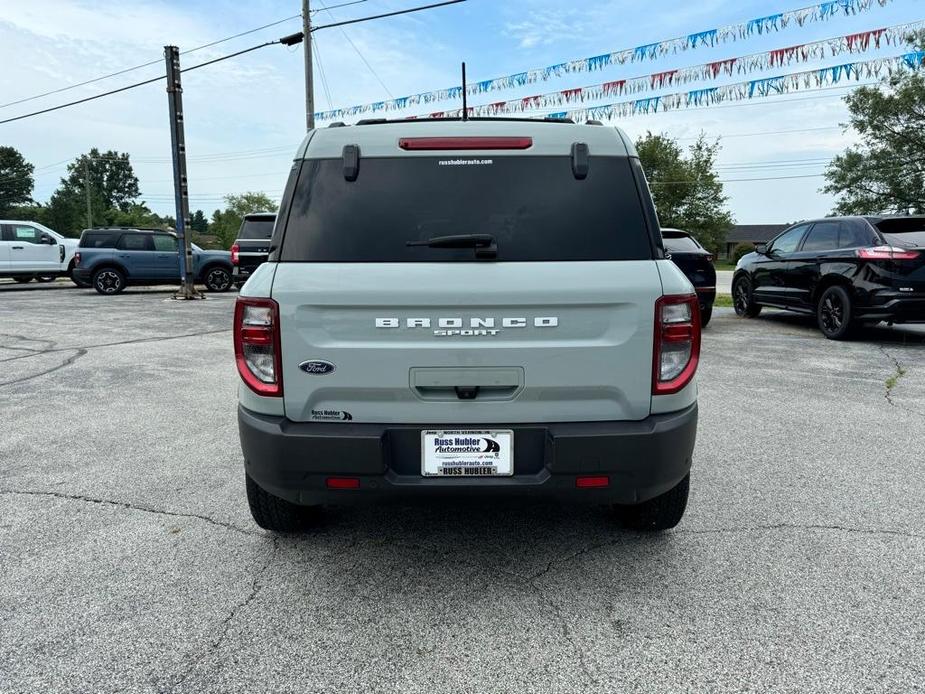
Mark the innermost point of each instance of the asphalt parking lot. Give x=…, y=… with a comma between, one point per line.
x=130, y=562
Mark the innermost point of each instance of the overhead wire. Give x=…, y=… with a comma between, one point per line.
x=358, y=52
x=149, y=64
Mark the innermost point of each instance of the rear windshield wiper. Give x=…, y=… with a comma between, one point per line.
x=484, y=244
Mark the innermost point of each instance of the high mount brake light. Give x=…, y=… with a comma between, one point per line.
x=235, y=254
x=257, y=345
x=887, y=253
x=676, y=351
x=464, y=143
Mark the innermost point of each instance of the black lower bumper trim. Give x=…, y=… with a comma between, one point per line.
x=643, y=459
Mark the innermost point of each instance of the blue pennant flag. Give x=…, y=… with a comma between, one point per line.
x=702, y=38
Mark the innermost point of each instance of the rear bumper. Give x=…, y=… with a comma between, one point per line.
x=82, y=274
x=706, y=295
x=642, y=459
x=895, y=307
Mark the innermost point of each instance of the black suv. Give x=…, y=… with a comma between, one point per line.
x=847, y=271
x=696, y=262
x=252, y=245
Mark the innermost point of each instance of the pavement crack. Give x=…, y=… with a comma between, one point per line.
x=222, y=630
x=899, y=371
x=78, y=353
x=803, y=526
x=129, y=506
x=52, y=348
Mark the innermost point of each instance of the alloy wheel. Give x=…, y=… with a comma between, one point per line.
x=108, y=282
x=832, y=313
x=218, y=280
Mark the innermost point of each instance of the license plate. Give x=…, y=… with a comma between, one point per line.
x=488, y=453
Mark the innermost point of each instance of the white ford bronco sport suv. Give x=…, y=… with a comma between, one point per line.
x=467, y=307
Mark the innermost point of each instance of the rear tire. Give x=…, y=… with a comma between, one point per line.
x=278, y=515
x=108, y=280
x=661, y=513
x=23, y=279
x=834, y=313
x=742, y=299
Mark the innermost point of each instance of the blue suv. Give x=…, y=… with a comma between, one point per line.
x=111, y=259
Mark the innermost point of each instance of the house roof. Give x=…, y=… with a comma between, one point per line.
x=754, y=233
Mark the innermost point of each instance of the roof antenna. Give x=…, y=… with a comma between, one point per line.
x=465, y=111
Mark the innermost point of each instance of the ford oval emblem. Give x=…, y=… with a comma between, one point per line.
x=317, y=367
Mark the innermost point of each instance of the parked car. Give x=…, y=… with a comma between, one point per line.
x=110, y=259
x=31, y=251
x=696, y=262
x=846, y=271
x=252, y=246
x=479, y=307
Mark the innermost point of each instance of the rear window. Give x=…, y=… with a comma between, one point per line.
x=681, y=244
x=256, y=229
x=904, y=231
x=534, y=207
x=99, y=239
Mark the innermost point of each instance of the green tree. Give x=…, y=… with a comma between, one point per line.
x=109, y=181
x=886, y=172
x=199, y=222
x=135, y=215
x=226, y=223
x=16, y=180
x=686, y=188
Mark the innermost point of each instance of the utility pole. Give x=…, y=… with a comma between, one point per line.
x=87, y=191
x=181, y=192
x=309, y=77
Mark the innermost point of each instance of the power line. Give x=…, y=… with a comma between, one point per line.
x=387, y=14
x=153, y=62
x=136, y=84
x=324, y=79
x=359, y=53
x=343, y=4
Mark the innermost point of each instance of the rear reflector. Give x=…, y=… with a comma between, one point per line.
x=342, y=483
x=592, y=482
x=450, y=143
x=887, y=253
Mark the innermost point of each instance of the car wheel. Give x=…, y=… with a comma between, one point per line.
x=218, y=279
x=45, y=278
x=23, y=279
x=742, y=300
x=108, y=281
x=281, y=516
x=834, y=313
x=661, y=513
x=705, y=315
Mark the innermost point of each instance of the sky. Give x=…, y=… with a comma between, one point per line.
x=245, y=116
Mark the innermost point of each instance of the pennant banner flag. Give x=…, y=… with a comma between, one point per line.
x=709, y=38
x=741, y=91
x=710, y=71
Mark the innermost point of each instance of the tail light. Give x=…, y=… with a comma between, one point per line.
x=886, y=253
x=677, y=343
x=235, y=254
x=432, y=143
x=77, y=259
x=257, y=345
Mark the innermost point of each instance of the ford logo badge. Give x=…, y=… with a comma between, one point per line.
x=317, y=367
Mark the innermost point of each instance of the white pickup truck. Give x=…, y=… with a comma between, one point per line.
x=29, y=250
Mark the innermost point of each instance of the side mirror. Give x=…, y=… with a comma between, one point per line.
x=48, y=240
x=761, y=248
